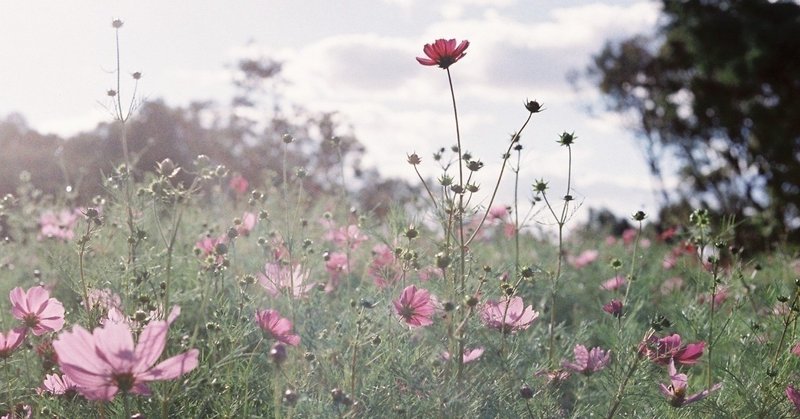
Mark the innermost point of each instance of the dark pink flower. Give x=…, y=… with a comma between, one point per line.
x=37, y=310
x=10, y=341
x=794, y=396
x=279, y=279
x=468, y=356
x=508, y=315
x=588, y=362
x=57, y=385
x=239, y=184
x=662, y=350
x=415, y=306
x=676, y=391
x=613, y=307
x=584, y=259
x=443, y=52
x=277, y=327
x=106, y=361
x=613, y=283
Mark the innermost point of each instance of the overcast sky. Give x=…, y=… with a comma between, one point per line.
x=355, y=57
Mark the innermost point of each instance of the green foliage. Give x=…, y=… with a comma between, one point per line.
x=718, y=88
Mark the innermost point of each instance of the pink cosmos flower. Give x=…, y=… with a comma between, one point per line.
x=796, y=349
x=613, y=283
x=676, y=391
x=277, y=327
x=106, y=361
x=497, y=213
x=37, y=310
x=662, y=350
x=278, y=279
x=613, y=307
x=350, y=236
x=415, y=306
x=57, y=385
x=584, y=259
x=429, y=273
x=629, y=235
x=382, y=269
x=249, y=221
x=336, y=265
x=468, y=356
x=207, y=245
x=588, y=362
x=103, y=299
x=239, y=184
x=794, y=396
x=671, y=285
x=10, y=341
x=553, y=376
x=719, y=297
x=443, y=52
x=58, y=226
x=508, y=315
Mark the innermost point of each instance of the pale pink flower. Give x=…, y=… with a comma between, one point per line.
x=671, y=285
x=443, y=52
x=584, y=259
x=336, y=265
x=58, y=226
x=277, y=327
x=10, y=341
x=794, y=396
x=662, y=350
x=719, y=297
x=278, y=279
x=588, y=361
x=429, y=273
x=249, y=221
x=57, y=385
x=497, y=213
x=415, y=306
x=239, y=184
x=613, y=283
x=796, y=349
x=209, y=244
x=676, y=391
x=382, y=269
x=554, y=377
x=106, y=361
x=508, y=315
x=610, y=240
x=37, y=310
x=629, y=235
x=103, y=299
x=350, y=236
x=468, y=356
x=509, y=230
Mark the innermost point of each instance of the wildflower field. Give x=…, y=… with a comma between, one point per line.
x=211, y=298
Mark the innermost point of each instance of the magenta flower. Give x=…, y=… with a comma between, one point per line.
x=588, y=362
x=278, y=279
x=508, y=315
x=106, y=361
x=37, y=310
x=57, y=385
x=415, y=306
x=662, y=350
x=336, y=265
x=443, y=52
x=277, y=327
x=613, y=283
x=613, y=307
x=676, y=391
x=794, y=396
x=468, y=356
x=11, y=341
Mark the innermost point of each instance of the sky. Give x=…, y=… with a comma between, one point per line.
x=356, y=57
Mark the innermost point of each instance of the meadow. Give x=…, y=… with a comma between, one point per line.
x=211, y=298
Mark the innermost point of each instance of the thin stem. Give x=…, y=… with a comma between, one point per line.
x=621, y=390
x=84, y=241
x=506, y=156
x=461, y=209
x=354, y=356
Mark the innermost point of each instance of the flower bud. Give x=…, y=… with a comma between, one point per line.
x=533, y=106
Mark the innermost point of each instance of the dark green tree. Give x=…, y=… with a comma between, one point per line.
x=717, y=89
